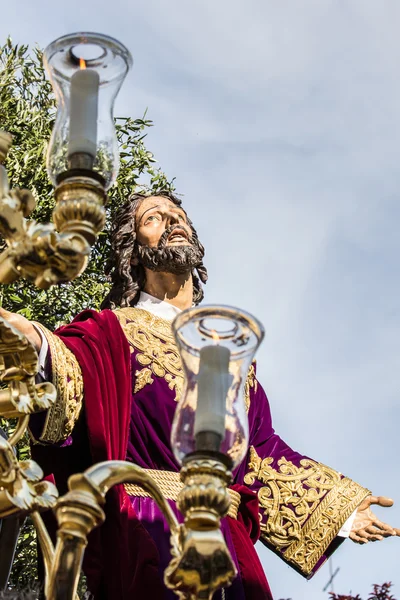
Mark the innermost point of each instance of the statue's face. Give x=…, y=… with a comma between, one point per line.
x=165, y=240
x=155, y=215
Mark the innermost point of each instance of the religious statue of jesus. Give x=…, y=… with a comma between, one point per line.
x=118, y=377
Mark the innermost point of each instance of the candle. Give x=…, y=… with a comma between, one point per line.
x=83, y=112
x=214, y=382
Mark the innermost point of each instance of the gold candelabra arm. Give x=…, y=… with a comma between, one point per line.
x=79, y=511
x=201, y=561
x=45, y=542
x=105, y=475
x=201, y=566
x=19, y=431
x=48, y=253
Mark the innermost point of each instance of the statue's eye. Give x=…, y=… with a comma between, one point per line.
x=151, y=218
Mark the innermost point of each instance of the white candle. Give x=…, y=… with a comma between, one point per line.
x=83, y=112
x=214, y=382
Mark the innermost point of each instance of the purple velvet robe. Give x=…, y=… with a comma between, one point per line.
x=302, y=504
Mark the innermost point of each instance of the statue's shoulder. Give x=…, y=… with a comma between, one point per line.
x=130, y=314
x=139, y=319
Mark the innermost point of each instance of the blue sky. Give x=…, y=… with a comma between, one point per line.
x=281, y=123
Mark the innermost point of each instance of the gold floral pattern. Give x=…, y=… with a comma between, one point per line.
x=324, y=524
x=142, y=378
x=303, y=507
x=67, y=378
x=157, y=352
x=152, y=338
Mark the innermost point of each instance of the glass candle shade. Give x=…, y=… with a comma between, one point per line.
x=217, y=346
x=86, y=71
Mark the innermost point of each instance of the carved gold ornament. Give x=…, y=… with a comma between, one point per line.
x=303, y=508
x=48, y=253
x=21, y=488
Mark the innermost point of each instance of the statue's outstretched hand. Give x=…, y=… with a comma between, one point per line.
x=367, y=527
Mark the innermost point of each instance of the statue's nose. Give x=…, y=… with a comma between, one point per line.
x=173, y=218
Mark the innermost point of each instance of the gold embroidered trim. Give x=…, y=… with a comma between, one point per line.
x=325, y=523
x=152, y=337
x=303, y=507
x=67, y=378
x=143, y=377
x=156, y=349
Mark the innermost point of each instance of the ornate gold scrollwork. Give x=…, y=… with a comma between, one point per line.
x=290, y=496
x=143, y=377
x=156, y=349
x=152, y=337
x=303, y=507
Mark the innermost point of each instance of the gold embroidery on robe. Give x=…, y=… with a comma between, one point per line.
x=303, y=507
x=156, y=349
x=143, y=377
x=67, y=378
x=251, y=382
x=157, y=352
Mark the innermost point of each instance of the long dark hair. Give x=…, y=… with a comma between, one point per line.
x=127, y=279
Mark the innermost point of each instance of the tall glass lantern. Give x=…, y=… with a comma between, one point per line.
x=217, y=345
x=86, y=71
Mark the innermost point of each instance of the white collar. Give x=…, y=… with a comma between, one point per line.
x=157, y=307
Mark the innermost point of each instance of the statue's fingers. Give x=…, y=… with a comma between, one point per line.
x=363, y=534
x=377, y=531
x=370, y=537
x=381, y=501
x=357, y=539
x=383, y=526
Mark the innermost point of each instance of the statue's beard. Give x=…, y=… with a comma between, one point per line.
x=171, y=259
